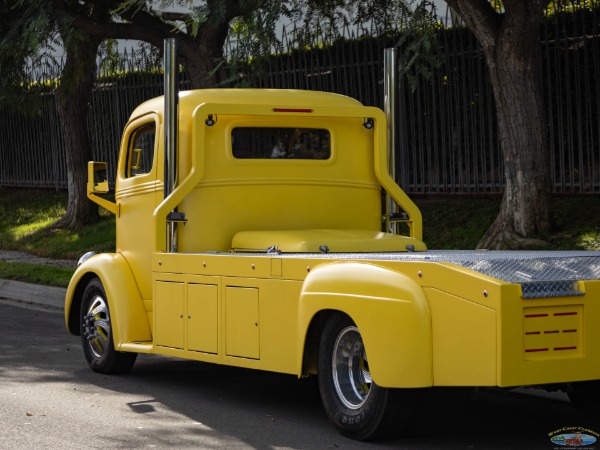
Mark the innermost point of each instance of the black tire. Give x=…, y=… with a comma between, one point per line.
x=96, y=333
x=585, y=396
x=358, y=408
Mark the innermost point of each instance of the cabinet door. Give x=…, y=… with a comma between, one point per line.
x=241, y=322
x=168, y=314
x=203, y=318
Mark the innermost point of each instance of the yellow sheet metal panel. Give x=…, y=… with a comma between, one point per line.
x=315, y=241
x=242, y=335
x=203, y=317
x=278, y=324
x=244, y=193
x=459, y=281
x=128, y=315
x=168, y=314
x=549, y=340
x=390, y=311
x=464, y=341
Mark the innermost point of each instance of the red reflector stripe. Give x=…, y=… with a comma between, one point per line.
x=551, y=332
x=531, y=350
x=292, y=110
x=529, y=316
x=569, y=331
x=532, y=332
x=566, y=348
x=566, y=314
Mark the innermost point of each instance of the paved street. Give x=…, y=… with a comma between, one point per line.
x=50, y=399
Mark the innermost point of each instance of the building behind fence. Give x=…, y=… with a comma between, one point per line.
x=447, y=139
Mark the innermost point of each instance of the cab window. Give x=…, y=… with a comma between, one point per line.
x=280, y=143
x=140, y=153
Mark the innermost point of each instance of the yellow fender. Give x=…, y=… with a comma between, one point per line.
x=390, y=310
x=127, y=313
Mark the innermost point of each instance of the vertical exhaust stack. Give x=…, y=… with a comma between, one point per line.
x=171, y=91
x=389, y=107
x=171, y=94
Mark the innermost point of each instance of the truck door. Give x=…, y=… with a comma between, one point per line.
x=138, y=190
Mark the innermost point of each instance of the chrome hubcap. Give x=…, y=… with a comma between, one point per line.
x=351, y=376
x=96, y=327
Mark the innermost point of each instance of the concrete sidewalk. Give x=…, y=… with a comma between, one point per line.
x=32, y=295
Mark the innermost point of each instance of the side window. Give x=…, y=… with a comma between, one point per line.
x=140, y=153
x=280, y=143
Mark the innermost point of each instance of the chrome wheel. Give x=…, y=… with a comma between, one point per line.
x=96, y=327
x=350, y=369
x=96, y=333
x=357, y=406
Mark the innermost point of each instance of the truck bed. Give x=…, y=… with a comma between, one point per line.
x=540, y=273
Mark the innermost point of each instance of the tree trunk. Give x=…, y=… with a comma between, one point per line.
x=524, y=209
x=510, y=42
x=203, y=56
x=73, y=97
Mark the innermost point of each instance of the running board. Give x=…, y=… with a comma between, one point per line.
x=137, y=347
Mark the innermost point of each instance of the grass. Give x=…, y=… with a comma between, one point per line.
x=35, y=273
x=26, y=216
x=459, y=222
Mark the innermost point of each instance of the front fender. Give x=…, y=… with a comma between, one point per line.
x=390, y=310
x=128, y=315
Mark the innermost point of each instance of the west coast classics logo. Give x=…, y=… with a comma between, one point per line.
x=574, y=437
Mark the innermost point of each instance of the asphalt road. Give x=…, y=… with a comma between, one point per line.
x=50, y=399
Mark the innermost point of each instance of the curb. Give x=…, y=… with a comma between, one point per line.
x=35, y=295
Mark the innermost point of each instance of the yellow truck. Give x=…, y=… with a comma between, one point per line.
x=273, y=237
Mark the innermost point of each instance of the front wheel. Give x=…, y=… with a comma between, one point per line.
x=96, y=333
x=354, y=403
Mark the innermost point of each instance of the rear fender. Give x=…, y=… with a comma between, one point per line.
x=128, y=315
x=390, y=310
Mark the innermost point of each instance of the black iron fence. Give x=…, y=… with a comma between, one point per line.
x=447, y=140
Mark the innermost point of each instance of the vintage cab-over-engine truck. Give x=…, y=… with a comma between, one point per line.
x=270, y=239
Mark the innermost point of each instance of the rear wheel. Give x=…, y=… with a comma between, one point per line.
x=354, y=403
x=96, y=333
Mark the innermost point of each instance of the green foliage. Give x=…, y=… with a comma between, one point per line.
x=317, y=24
x=28, y=32
x=143, y=59
x=557, y=6
x=420, y=51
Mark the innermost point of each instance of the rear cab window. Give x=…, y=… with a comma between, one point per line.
x=281, y=143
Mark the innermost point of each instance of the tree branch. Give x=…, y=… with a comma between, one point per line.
x=481, y=19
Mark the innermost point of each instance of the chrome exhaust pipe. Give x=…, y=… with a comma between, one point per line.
x=389, y=108
x=171, y=110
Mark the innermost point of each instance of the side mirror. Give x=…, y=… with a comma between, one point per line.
x=97, y=177
x=98, y=184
